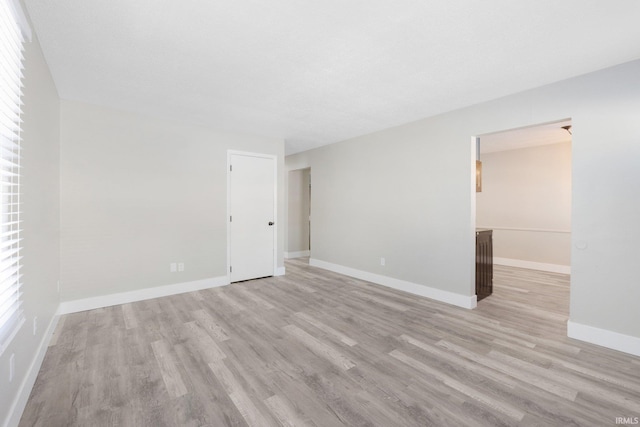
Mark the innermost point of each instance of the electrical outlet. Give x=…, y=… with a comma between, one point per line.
x=181, y=266
x=172, y=267
x=12, y=366
x=382, y=261
x=35, y=325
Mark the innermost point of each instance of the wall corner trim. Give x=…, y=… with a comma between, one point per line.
x=280, y=271
x=17, y=408
x=75, y=306
x=297, y=254
x=603, y=337
x=401, y=285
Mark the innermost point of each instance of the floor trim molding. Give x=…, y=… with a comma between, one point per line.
x=297, y=254
x=280, y=271
x=17, y=408
x=552, y=268
x=603, y=337
x=84, y=304
x=402, y=285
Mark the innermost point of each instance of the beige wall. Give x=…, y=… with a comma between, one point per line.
x=41, y=256
x=526, y=199
x=138, y=193
x=298, y=211
x=407, y=193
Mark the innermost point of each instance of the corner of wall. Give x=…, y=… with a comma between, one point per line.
x=401, y=285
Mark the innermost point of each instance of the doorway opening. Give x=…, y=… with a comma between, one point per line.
x=525, y=204
x=299, y=214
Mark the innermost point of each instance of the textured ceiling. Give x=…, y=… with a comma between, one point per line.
x=316, y=72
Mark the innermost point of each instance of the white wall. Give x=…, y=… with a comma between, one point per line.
x=41, y=257
x=138, y=193
x=406, y=193
x=298, y=212
x=526, y=200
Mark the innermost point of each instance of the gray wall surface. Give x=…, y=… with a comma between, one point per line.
x=138, y=193
x=407, y=194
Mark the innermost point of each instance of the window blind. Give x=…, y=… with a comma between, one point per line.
x=11, y=65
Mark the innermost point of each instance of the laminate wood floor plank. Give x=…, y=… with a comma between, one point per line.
x=352, y=409
x=238, y=394
x=170, y=374
x=286, y=413
x=316, y=348
x=303, y=398
x=388, y=384
x=326, y=328
x=206, y=388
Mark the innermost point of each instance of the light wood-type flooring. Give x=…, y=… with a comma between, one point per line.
x=314, y=348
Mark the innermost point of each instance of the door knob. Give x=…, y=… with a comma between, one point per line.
x=271, y=222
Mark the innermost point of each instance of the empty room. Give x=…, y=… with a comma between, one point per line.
x=321, y=213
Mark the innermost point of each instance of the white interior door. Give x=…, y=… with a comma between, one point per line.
x=251, y=216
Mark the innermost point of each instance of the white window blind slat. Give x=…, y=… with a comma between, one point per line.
x=7, y=106
x=8, y=273
x=9, y=253
x=10, y=128
x=8, y=116
x=10, y=137
x=5, y=290
x=6, y=165
x=9, y=238
x=12, y=33
x=9, y=308
x=8, y=276
x=9, y=264
x=9, y=157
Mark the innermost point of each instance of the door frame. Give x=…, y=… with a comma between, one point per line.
x=275, y=206
x=474, y=149
x=287, y=253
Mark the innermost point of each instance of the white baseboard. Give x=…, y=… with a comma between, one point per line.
x=16, y=410
x=552, y=268
x=280, y=271
x=75, y=306
x=402, y=285
x=298, y=254
x=603, y=337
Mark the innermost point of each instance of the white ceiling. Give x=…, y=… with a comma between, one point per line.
x=544, y=134
x=315, y=72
